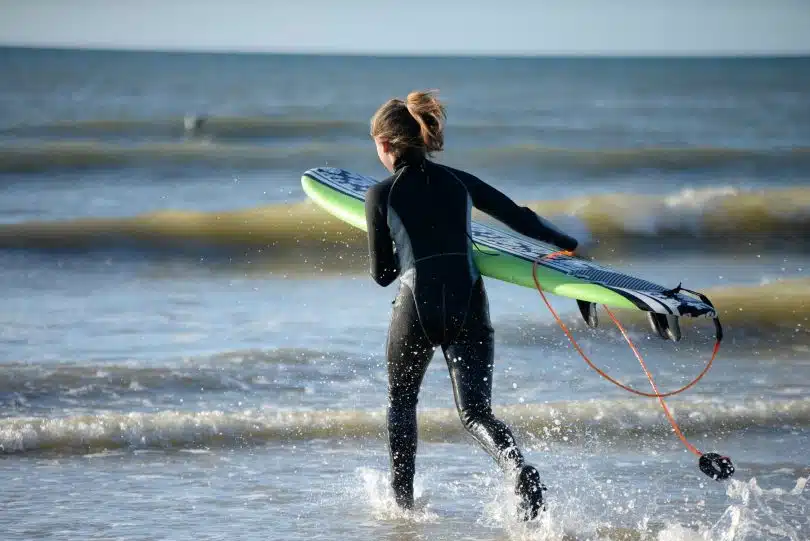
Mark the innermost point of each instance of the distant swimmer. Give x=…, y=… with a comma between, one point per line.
x=418, y=222
x=193, y=124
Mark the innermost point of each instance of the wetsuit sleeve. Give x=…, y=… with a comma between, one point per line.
x=384, y=266
x=522, y=219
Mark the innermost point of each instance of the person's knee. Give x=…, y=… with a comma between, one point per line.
x=472, y=417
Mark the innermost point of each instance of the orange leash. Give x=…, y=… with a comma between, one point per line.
x=675, y=426
x=712, y=464
x=655, y=394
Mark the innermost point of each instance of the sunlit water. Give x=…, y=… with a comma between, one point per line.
x=172, y=383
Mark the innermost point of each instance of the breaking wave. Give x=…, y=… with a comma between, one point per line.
x=720, y=218
x=609, y=420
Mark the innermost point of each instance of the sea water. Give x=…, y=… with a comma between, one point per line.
x=191, y=350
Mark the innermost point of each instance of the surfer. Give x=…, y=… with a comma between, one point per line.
x=193, y=124
x=419, y=230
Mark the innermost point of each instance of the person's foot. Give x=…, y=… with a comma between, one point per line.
x=530, y=490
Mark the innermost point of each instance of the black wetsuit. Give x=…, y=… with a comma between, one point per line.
x=419, y=230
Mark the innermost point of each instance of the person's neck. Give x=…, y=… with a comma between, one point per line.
x=410, y=157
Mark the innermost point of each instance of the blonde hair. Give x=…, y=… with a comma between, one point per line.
x=414, y=124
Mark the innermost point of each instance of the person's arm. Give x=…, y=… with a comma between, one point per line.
x=384, y=266
x=522, y=219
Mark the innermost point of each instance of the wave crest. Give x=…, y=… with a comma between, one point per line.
x=570, y=422
x=718, y=218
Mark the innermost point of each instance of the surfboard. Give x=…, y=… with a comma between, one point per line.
x=503, y=254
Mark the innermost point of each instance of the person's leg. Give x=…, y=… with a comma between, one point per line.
x=470, y=360
x=409, y=354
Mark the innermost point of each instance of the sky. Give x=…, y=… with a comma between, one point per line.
x=474, y=27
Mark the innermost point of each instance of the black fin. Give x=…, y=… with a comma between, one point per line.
x=665, y=325
x=673, y=328
x=653, y=318
x=588, y=311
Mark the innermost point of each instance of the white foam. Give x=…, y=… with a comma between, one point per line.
x=563, y=422
x=377, y=493
x=756, y=514
x=699, y=198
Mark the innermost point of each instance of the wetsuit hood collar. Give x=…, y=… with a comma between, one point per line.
x=409, y=158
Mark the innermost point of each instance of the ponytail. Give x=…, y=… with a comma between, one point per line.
x=430, y=114
x=414, y=124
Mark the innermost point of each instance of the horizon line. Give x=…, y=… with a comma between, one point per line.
x=403, y=54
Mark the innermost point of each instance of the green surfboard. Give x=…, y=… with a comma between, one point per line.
x=505, y=255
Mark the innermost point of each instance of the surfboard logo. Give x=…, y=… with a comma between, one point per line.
x=343, y=181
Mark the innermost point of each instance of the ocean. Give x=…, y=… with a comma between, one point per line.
x=189, y=349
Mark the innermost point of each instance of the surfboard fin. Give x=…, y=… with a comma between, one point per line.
x=665, y=325
x=588, y=311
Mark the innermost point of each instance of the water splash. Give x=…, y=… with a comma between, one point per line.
x=376, y=493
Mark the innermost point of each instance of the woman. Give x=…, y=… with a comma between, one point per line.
x=419, y=230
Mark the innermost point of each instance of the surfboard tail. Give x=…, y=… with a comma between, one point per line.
x=664, y=318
